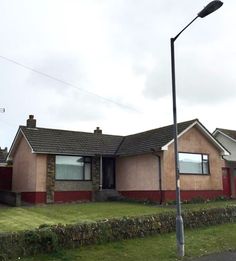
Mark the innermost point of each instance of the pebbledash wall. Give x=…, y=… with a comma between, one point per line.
x=34, y=176
x=138, y=176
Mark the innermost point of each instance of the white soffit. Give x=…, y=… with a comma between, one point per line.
x=16, y=141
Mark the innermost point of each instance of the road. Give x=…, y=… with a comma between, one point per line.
x=226, y=256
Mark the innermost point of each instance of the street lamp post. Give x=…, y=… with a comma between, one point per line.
x=210, y=8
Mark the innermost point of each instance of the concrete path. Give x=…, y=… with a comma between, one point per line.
x=226, y=256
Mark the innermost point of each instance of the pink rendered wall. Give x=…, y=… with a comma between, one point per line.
x=29, y=170
x=193, y=141
x=137, y=173
x=24, y=168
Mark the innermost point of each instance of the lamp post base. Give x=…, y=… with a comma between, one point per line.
x=180, y=236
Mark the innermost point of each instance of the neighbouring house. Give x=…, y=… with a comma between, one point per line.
x=228, y=139
x=3, y=156
x=51, y=165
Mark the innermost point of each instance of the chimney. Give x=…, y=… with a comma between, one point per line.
x=98, y=131
x=31, y=122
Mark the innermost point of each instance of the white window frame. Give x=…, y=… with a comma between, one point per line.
x=86, y=165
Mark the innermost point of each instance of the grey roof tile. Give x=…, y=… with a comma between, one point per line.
x=153, y=139
x=54, y=141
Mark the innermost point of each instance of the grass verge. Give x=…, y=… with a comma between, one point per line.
x=199, y=242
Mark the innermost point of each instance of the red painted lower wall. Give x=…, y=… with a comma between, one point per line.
x=169, y=195
x=190, y=194
x=33, y=197
x=59, y=196
x=69, y=196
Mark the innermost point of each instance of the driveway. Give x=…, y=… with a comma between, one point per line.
x=226, y=256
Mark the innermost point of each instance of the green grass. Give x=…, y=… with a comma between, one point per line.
x=159, y=248
x=216, y=204
x=22, y=218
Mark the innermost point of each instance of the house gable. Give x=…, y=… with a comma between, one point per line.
x=204, y=132
x=14, y=147
x=194, y=141
x=24, y=170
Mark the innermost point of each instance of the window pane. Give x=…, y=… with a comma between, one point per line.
x=190, y=163
x=205, y=168
x=205, y=164
x=69, y=167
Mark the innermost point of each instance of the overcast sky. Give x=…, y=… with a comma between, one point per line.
x=109, y=63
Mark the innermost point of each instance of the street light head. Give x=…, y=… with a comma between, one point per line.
x=210, y=8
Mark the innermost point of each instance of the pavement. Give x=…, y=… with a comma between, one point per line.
x=226, y=256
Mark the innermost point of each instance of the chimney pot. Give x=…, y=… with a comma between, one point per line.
x=98, y=131
x=31, y=122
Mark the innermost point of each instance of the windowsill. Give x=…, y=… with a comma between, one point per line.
x=194, y=174
x=73, y=180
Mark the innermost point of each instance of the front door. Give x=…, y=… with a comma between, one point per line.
x=226, y=182
x=108, y=178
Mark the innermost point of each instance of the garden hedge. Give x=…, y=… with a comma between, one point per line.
x=50, y=238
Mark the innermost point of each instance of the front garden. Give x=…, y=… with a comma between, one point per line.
x=22, y=218
x=76, y=225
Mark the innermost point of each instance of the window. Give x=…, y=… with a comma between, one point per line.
x=192, y=163
x=73, y=168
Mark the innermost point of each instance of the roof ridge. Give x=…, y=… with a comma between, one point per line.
x=159, y=128
x=224, y=129
x=64, y=130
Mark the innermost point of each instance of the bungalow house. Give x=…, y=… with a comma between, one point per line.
x=51, y=165
x=228, y=139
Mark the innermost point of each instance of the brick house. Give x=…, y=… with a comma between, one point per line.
x=51, y=165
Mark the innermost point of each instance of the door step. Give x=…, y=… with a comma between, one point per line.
x=107, y=194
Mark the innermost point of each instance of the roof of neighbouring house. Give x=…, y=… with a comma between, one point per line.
x=55, y=141
x=230, y=133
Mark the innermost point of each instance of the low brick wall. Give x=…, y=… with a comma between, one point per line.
x=10, y=198
x=50, y=238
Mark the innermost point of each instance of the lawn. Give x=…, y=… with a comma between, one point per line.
x=216, y=204
x=161, y=247
x=22, y=218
